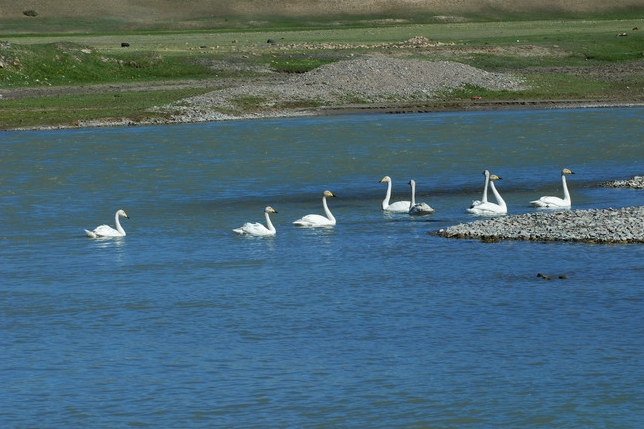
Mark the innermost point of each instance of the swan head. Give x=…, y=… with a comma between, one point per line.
x=122, y=213
x=412, y=182
x=566, y=171
x=385, y=179
x=328, y=194
x=270, y=209
x=494, y=177
x=486, y=173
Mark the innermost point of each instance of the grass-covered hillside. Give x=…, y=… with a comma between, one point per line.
x=38, y=16
x=63, y=61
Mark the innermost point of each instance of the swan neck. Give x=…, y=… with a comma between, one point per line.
x=565, y=188
x=413, y=195
x=326, y=210
x=117, y=223
x=499, y=200
x=269, y=224
x=385, y=202
x=487, y=181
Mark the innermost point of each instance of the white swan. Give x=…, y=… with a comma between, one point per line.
x=417, y=208
x=475, y=203
x=556, y=202
x=398, y=206
x=257, y=229
x=108, y=231
x=315, y=220
x=488, y=208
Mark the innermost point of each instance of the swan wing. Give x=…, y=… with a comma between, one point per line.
x=314, y=220
x=421, y=209
x=255, y=229
x=104, y=231
x=550, y=203
x=487, y=209
x=398, y=207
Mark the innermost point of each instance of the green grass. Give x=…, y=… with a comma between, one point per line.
x=70, y=109
x=288, y=64
x=75, y=59
x=66, y=63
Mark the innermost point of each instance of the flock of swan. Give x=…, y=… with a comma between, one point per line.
x=481, y=207
x=488, y=208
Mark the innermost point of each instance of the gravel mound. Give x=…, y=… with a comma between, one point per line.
x=625, y=225
x=378, y=79
x=366, y=80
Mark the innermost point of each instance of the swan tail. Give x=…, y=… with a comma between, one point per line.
x=541, y=204
x=90, y=234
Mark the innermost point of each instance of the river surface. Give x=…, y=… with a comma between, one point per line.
x=375, y=323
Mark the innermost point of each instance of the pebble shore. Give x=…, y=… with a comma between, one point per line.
x=625, y=225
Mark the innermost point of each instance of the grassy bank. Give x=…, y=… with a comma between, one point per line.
x=539, y=50
x=129, y=16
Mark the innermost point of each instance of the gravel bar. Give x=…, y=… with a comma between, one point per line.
x=635, y=182
x=625, y=225
x=368, y=81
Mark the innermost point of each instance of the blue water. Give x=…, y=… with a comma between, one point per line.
x=374, y=323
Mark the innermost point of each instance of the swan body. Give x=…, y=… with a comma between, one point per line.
x=556, y=202
x=475, y=203
x=108, y=231
x=489, y=208
x=398, y=206
x=418, y=209
x=315, y=220
x=257, y=229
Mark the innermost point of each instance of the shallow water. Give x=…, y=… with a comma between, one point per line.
x=373, y=323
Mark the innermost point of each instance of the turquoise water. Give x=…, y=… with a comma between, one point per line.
x=374, y=323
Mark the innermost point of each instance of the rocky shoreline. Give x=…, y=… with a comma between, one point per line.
x=625, y=225
x=635, y=182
